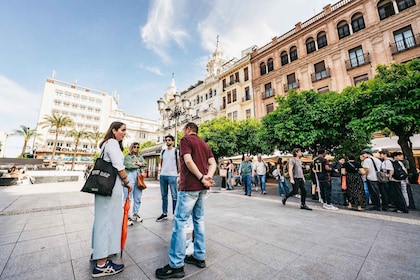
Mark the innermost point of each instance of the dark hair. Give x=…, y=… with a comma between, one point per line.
x=351, y=157
x=192, y=126
x=295, y=151
x=170, y=136
x=110, y=134
x=279, y=160
x=321, y=151
x=130, y=150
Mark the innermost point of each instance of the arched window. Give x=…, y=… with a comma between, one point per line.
x=284, y=58
x=263, y=69
x=293, y=54
x=357, y=22
x=405, y=4
x=343, y=29
x=310, y=45
x=385, y=9
x=322, y=39
x=270, y=64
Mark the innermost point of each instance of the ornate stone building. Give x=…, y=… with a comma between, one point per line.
x=339, y=47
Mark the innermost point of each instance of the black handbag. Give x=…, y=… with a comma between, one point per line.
x=102, y=178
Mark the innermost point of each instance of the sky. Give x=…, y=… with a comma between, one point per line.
x=130, y=47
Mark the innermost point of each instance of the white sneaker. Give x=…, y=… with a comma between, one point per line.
x=137, y=218
x=130, y=222
x=330, y=207
x=325, y=205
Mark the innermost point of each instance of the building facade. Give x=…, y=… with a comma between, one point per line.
x=91, y=111
x=339, y=47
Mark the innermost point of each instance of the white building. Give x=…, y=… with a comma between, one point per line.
x=91, y=111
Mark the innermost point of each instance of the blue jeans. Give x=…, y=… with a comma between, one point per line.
x=189, y=203
x=261, y=181
x=229, y=181
x=283, y=188
x=365, y=185
x=135, y=194
x=246, y=180
x=173, y=184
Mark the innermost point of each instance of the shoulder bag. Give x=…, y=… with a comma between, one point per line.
x=102, y=178
x=382, y=176
x=140, y=181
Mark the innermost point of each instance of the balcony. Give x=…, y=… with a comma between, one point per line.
x=326, y=73
x=292, y=85
x=357, y=61
x=268, y=93
x=406, y=44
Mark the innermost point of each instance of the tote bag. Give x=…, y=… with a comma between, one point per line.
x=102, y=178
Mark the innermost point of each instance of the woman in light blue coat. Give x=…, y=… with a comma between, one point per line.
x=107, y=225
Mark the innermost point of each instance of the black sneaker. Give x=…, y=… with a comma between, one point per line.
x=167, y=272
x=305, y=207
x=162, y=217
x=192, y=260
x=109, y=268
x=283, y=201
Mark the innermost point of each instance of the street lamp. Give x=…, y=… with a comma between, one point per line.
x=181, y=107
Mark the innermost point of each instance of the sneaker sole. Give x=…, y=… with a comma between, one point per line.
x=196, y=264
x=175, y=275
x=106, y=273
x=164, y=219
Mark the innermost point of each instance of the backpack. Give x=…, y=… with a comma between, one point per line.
x=275, y=173
x=399, y=173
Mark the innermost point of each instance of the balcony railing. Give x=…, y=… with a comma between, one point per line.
x=406, y=44
x=321, y=75
x=292, y=85
x=268, y=93
x=357, y=61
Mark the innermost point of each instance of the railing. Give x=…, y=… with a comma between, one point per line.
x=294, y=84
x=268, y=93
x=406, y=44
x=340, y=4
x=321, y=75
x=357, y=61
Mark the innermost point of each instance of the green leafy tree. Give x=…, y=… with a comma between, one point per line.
x=96, y=136
x=77, y=136
x=392, y=101
x=146, y=144
x=249, y=137
x=219, y=133
x=26, y=133
x=56, y=122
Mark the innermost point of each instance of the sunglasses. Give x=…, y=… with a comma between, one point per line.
x=168, y=140
x=136, y=147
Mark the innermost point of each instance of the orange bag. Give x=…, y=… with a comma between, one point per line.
x=344, y=182
x=140, y=181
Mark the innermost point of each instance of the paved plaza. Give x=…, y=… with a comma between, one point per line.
x=45, y=233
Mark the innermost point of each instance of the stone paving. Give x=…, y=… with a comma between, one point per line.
x=45, y=232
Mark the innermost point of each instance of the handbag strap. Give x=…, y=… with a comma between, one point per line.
x=374, y=164
x=103, y=151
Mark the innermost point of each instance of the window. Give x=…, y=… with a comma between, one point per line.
x=405, y=4
x=404, y=39
x=293, y=54
x=229, y=97
x=232, y=80
x=284, y=58
x=268, y=91
x=223, y=104
x=230, y=115
x=323, y=89
x=237, y=77
x=247, y=94
x=269, y=108
x=320, y=72
x=248, y=113
x=224, y=84
x=291, y=81
x=210, y=93
x=322, y=40
x=385, y=9
x=360, y=79
x=234, y=95
x=235, y=116
x=263, y=69
x=246, y=74
x=357, y=23
x=270, y=64
x=310, y=45
x=343, y=29
x=356, y=57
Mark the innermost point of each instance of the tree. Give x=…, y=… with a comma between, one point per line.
x=220, y=135
x=57, y=122
x=392, y=101
x=96, y=136
x=146, y=144
x=77, y=135
x=248, y=135
x=27, y=133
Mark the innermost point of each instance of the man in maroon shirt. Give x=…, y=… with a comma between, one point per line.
x=196, y=177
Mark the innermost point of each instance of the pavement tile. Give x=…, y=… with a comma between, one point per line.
x=39, y=245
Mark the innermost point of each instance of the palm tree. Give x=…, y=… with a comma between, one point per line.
x=77, y=135
x=96, y=137
x=27, y=133
x=58, y=122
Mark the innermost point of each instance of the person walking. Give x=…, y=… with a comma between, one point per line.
x=134, y=163
x=169, y=162
x=355, y=192
x=260, y=169
x=297, y=179
x=108, y=210
x=231, y=172
x=245, y=170
x=281, y=178
x=197, y=169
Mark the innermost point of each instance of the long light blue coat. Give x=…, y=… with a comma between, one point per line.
x=106, y=233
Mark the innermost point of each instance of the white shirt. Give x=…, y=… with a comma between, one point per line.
x=369, y=165
x=260, y=167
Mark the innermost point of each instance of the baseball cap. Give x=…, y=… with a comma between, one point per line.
x=367, y=151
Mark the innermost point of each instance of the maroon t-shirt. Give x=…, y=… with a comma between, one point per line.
x=200, y=153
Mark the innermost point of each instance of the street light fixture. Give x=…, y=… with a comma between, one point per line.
x=181, y=107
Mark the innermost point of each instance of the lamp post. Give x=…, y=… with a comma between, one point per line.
x=180, y=108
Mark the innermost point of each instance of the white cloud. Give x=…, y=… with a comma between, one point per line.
x=154, y=70
x=162, y=28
